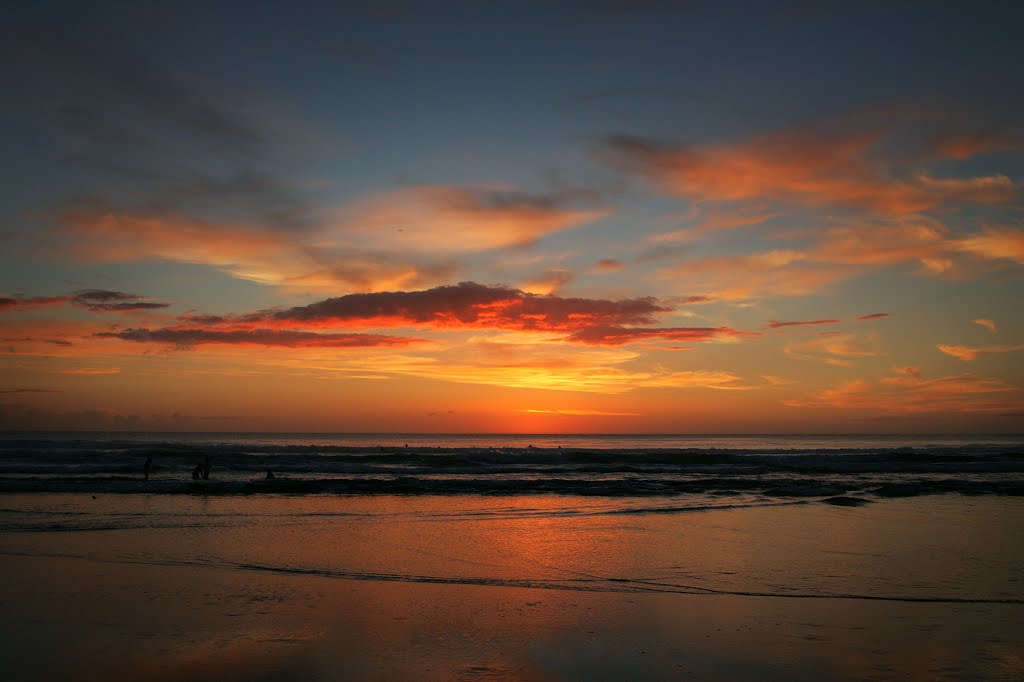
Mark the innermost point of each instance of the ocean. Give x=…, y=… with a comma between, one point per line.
x=526, y=557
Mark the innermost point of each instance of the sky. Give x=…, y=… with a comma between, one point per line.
x=570, y=216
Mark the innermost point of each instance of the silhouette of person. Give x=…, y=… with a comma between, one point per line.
x=197, y=473
x=270, y=475
x=206, y=467
x=147, y=466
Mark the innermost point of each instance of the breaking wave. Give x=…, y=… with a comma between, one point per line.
x=840, y=470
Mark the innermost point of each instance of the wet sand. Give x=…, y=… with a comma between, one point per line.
x=385, y=588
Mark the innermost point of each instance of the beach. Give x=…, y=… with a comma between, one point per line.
x=531, y=587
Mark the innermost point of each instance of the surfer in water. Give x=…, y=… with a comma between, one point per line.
x=147, y=466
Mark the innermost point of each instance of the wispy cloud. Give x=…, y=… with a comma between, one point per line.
x=869, y=163
x=548, y=282
x=842, y=252
x=706, y=221
x=609, y=265
x=910, y=393
x=987, y=324
x=777, y=272
x=459, y=219
x=799, y=323
x=835, y=349
x=995, y=242
x=582, y=413
x=967, y=354
x=407, y=239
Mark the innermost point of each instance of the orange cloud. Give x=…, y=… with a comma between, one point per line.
x=835, y=349
x=965, y=144
x=874, y=316
x=968, y=354
x=400, y=240
x=881, y=243
x=456, y=219
x=843, y=252
x=987, y=324
x=909, y=393
x=814, y=165
x=778, y=272
x=995, y=243
x=548, y=282
x=715, y=221
x=100, y=233
x=609, y=265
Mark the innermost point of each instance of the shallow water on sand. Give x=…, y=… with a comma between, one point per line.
x=524, y=587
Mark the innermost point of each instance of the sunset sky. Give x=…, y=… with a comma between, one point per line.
x=564, y=216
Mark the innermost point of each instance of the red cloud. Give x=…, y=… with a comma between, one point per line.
x=874, y=316
x=464, y=305
x=776, y=325
x=188, y=336
x=476, y=306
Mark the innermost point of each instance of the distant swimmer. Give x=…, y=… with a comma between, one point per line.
x=197, y=473
x=147, y=466
x=270, y=475
x=206, y=467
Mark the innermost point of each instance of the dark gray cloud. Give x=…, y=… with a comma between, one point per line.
x=188, y=336
x=31, y=390
x=775, y=324
x=101, y=300
x=95, y=300
x=170, y=145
